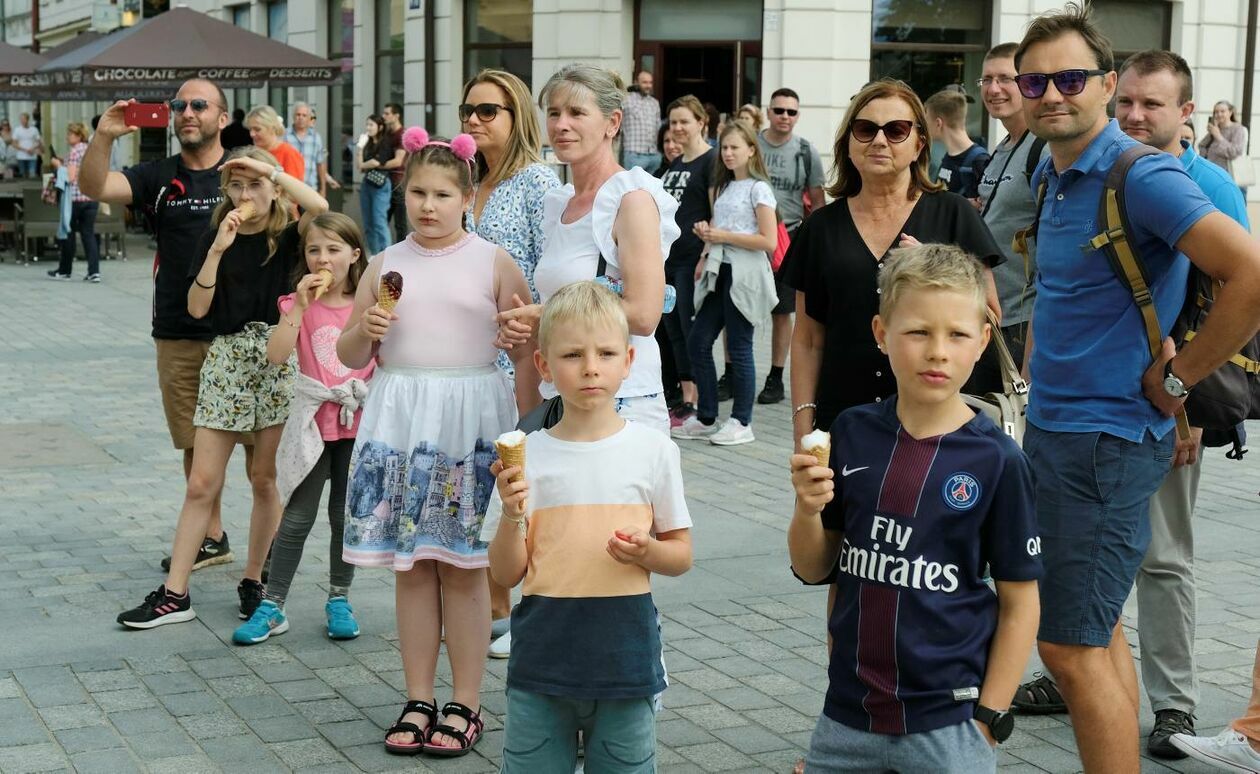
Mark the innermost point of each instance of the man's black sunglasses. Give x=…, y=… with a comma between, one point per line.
x=198, y=105
x=486, y=111
x=1068, y=82
x=780, y=111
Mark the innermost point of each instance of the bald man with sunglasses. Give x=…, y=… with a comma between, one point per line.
x=179, y=194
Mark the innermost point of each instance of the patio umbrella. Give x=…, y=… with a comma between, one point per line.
x=17, y=66
x=158, y=54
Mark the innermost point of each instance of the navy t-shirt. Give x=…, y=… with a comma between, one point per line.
x=961, y=173
x=688, y=182
x=921, y=519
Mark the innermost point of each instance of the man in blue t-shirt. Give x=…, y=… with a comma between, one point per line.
x=1100, y=437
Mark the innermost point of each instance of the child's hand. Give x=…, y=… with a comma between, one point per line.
x=629, y=545
x=227, y=231
x=701, y=229
x=305, y=288
x=518, y=324
x=812, y=482
x=908, y=241
x=376, y=322
x=512, y=493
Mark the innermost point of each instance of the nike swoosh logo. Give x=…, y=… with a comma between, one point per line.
x=847, y=471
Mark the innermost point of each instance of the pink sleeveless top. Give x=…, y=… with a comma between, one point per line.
x=447, y=307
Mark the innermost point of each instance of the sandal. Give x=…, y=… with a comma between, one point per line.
x=466, y=738
x=1039, y=696
x=419, y=735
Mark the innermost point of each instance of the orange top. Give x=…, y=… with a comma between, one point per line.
x=290, y=159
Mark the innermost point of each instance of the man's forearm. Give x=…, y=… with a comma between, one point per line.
x=95, y=166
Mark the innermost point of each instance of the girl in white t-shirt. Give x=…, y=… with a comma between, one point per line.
x=734, y=285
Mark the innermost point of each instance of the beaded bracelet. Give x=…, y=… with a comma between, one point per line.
x=802, y=407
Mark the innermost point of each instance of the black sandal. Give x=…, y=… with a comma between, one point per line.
x=419, y=735
x=467, y=738
x=1039, y=696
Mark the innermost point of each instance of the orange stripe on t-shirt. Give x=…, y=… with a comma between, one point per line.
x=568, y=552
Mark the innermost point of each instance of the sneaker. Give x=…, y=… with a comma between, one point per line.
x=56, y=275
x=1167, y=723
x=341, y=623
x=92, y=278
x=680, y=414
x=212, y=552
x=724, y=388
x=502, y=647
x=500, y=627
x=733, y=433
x=268, y=619
x=159, y=608
x=693, y=429
x=251, y=594
x=1227, y=751
x=771, y=393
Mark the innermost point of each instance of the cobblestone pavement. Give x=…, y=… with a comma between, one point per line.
x=90, y=489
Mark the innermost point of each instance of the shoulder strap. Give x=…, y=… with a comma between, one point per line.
x=804, y=150
x=602, y=269
x=1034, y=156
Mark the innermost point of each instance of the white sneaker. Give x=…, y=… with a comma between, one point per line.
x=1227, y=751
x=733, y=433
x=502, y=647
x=693, y=429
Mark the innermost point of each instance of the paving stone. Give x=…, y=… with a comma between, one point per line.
x=50, y=686
x=89, y=739
x=213, y=725
x=105, y=762
x=238, y=685
x=263, y=706
x=72, y=716
x=742, y=698
x=223, y=666
x=716, y=756
x=713, y=716
x=374, y=694
x=31, y=758
x=110, y=680
x=328, y=711
x=351, y=733
x=183, y=764
x=372, y=757
x=117, y=701
x=15, y=732
x=195, y=703
x=305, y=752
x=681, y=732
x=284, y=672
x=286, y=728
x=305, y=690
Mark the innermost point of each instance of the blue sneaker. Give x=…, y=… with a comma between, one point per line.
x=341, y=623
x=266, y=621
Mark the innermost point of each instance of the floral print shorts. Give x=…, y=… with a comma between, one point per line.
x=240, y=391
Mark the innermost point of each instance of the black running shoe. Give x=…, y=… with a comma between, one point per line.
x=1167, y=723
x=771, y=393
x=251, y=594
x=212, y=552
x=159, y=608
x=724, y=388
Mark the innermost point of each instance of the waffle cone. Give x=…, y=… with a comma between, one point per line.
x=247, y=210
x=385, y=299
x=512, y=456
x=327, y=277
x=822, y=454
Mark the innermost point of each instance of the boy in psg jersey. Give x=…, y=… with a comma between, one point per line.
x=921, y=494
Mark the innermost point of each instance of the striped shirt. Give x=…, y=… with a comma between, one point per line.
x=75, y=161
x=643, y=118
x=313, y=153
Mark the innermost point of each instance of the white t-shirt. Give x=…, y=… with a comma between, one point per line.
x=571, y=254
x=735, y=208
x=27, y=139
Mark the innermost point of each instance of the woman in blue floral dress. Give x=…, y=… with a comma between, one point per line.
x=498, y=111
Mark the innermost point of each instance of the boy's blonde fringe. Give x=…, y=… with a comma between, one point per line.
x=934, y=266
x=585, y=304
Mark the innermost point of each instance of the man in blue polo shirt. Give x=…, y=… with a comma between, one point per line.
x=1100, y=438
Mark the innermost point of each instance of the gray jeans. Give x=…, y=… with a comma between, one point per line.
x=299, y=517
x=1165, y=594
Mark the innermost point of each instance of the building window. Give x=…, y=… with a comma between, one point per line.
x=341, y=94
x=499, y=34
x=389, y=53
x=1133, y=25
x=278, y=29
x=239, y=15
x=932, y=45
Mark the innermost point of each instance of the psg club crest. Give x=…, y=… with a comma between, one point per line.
x=961, y=491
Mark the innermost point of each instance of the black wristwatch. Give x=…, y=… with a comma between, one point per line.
x=1000, y=724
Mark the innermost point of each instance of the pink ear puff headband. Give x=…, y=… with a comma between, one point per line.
x=462, y=145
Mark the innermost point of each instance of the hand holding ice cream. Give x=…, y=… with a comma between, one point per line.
x=377, y=318
x=509, y=472
x=812, y=474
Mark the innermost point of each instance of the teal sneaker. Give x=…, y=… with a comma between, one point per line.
x=341, y=623
x=266, y=621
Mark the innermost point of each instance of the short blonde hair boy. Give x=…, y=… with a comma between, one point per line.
x=586, y=304
x=934, y=267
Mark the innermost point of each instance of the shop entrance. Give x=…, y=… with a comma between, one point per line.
x=706, y=71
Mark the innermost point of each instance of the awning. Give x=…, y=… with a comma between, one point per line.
x=17, y=68
x=158, y=54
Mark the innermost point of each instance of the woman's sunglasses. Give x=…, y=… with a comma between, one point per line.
x=486, y=111
x=894, y=131
x=1068, y=82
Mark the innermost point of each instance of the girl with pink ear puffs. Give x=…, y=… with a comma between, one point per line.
x=420, y=470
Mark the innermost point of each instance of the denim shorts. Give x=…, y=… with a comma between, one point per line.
x=540, y=734
x=957, y=749
x=1093, y=494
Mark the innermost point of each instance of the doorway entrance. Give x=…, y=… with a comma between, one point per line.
x=707, y=71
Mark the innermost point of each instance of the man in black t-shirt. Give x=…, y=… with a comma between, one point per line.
x=179, y=194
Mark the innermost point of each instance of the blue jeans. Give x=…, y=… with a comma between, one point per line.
x=719, y=312
x=1093, y=502
x=540, y=734
x=649, y=162
x=374, y=202
x=83, y=222
x=678, y=322
x=26, y=167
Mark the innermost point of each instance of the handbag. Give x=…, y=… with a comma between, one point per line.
x=376, y=177
x=1243, y=171
x=50, y=193
x=1009, y=407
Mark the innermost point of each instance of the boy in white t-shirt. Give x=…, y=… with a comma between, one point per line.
x=600, y=508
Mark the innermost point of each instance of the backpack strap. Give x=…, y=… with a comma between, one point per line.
x=1019, y=242
x=1034, y=156
x=1115, y=244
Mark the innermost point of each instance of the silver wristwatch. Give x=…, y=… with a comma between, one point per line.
x=275, y=173
x=1173, y=385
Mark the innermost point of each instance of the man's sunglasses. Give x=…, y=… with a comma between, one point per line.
x=778, y=111
x=1068, y=82
x=894, y=131
x=198, y=105
x=486, y=111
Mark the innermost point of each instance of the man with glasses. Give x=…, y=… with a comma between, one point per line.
x=639, y=127
x=398, y=205
x=1100, y=434
x=303, y=136
x=796, y=171
x=179, y=195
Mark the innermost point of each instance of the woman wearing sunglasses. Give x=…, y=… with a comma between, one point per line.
x=497, y=111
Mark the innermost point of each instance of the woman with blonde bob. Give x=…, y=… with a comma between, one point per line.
x=244, y=263
x=752, y=114
x=266, y=129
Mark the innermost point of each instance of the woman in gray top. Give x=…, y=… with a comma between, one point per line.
x=1226, y=139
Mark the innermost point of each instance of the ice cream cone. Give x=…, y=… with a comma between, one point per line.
x=818, y=443
x=390, y=290
x=247, y=210
x=326, y=281
x=511, y=449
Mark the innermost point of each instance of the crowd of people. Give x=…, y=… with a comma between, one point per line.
x=489, y=394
